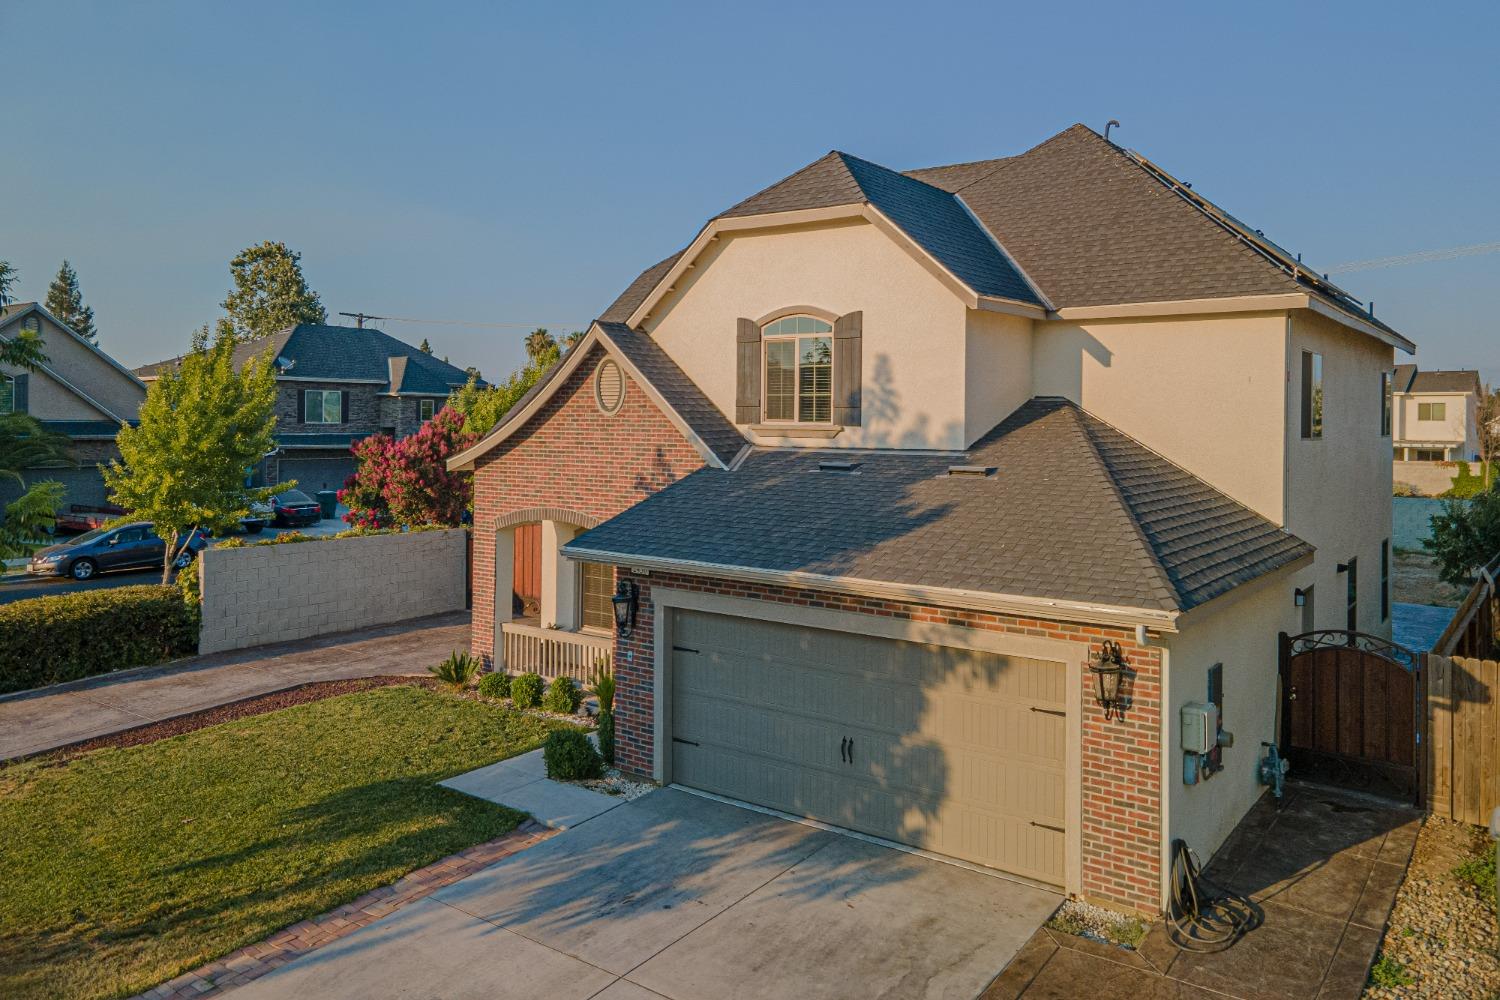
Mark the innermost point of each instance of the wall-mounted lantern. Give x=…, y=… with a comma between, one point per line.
x=624, y=601
x=1108, y=668
x=1299, y=597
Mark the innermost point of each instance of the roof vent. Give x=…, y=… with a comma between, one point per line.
x=837, y=465
x=975, y=471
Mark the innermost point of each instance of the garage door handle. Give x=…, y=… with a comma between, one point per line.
x=844, y=749
x=1048, y=826
x=851, y=749
x=1048, y=711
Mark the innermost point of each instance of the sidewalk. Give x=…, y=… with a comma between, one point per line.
x=36, y=721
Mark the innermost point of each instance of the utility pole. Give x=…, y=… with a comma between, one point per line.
x=359, y=318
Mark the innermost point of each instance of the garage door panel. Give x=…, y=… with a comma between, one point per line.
x=958, y=751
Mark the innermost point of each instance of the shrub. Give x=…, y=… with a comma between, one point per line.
x=192, y=594
x=563, y=697
x=1480, y=873
x=570, y=756
x=526, y=690
x=604, y=690
x=457, y=671
x=495, y=685
x=63, y=638
x=1389, y=973
x=1465, y=536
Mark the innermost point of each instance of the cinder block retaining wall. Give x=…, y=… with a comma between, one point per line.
x=274, y=593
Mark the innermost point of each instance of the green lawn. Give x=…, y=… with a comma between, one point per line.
x=120, y=869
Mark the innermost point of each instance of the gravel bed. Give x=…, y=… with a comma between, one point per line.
x=615, y=783
x=1441, y=938
x=1098, y=924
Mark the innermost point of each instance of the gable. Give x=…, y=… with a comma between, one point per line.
x=572, y=454
x=78, y=381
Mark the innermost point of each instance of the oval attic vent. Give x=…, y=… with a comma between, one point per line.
x=609, y=386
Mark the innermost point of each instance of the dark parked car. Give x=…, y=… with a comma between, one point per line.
x=129, y=546
x=295, y=509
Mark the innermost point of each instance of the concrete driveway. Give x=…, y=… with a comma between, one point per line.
x=682, y=897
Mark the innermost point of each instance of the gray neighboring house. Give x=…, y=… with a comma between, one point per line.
x=80, y=391
x=339, y=385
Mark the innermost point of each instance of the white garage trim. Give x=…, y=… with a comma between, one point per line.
x=1073, y=655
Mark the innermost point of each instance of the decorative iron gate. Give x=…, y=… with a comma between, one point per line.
x=1352, y=711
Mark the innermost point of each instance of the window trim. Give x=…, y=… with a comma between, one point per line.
x=1437, y=410
x=766, y=340
x=1313, y=404
x=426, y=404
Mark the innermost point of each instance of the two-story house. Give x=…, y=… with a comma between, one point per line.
x=79, y=391
x=337, y=385
x=1436, y=414
x=879, y=473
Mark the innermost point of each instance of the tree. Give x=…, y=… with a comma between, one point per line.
x=407, y=482
x=1487, y=414
x=65, y=301
x=202, y=425
x=483, y=408
x=539, y=342
x=270, y=293
x=572, y=339
x=26, y=444
x=424, y=346
x=1466, y=536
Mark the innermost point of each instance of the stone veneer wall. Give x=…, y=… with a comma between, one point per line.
x=275, y=593
x=1121, y=758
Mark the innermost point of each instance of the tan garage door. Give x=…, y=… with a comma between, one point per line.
x=953, y=750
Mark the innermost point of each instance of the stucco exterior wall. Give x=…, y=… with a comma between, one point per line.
x=84, y=368
x=997, y=369
x=1338, y=487
x=48, y=399
x=275, y=593
x=1238, y=630
x=1205, y=392
x=1458, y=429
x=913, y=332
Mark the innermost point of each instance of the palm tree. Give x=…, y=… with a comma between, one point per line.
x=538, y=342
x=572, y=339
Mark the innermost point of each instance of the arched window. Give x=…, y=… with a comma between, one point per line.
x=798, y=382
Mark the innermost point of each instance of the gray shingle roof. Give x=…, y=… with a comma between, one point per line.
x=713, y=428
x=346, y=353
x=1439, y=381
x=1075, y=511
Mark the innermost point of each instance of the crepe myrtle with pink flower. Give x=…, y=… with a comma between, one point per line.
x=406, y=483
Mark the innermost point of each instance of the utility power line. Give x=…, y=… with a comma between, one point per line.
x=361, y=317
x=1420, y=257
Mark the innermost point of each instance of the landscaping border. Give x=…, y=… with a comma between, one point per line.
x=290, y=943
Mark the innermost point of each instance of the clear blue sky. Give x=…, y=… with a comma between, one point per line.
x=522, y=164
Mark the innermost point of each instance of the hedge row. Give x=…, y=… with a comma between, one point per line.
x=45, y=640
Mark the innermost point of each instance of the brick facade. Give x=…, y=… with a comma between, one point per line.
x=570, y=455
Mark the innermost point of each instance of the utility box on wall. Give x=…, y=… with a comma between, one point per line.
x=1200, y=728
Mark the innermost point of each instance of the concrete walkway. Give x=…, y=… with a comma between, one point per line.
x=522, y=783
x=35, y=721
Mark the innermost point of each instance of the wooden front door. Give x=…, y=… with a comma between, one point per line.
x=1351, y=711
x=526, y=598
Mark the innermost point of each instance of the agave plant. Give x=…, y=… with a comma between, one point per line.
x=457, y=671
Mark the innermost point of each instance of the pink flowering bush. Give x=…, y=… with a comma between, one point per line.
x=407, y=483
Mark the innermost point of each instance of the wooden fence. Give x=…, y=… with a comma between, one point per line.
x=1463, y=708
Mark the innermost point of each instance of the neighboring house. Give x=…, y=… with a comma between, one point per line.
x=1436, y=414
x=337, y=385
x=80, y=391
x=887, y=458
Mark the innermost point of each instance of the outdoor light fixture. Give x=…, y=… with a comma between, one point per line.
x=624, y=603
x=1108, y=668
x=1299, y=597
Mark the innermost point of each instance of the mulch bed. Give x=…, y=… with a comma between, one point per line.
x=258, y=705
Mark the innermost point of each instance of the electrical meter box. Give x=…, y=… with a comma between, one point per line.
x=1200, y=727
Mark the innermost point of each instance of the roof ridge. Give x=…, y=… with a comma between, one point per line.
x=831, y=154
x=1081, y=419
x=894, y=173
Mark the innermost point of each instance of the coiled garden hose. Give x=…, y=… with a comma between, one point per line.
x=1203, y=916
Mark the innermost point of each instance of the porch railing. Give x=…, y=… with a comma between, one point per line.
x=553, y=652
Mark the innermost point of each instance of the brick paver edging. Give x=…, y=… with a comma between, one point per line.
x=253, y=961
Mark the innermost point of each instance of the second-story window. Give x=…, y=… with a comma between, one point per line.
x=1312, y=395
x=426, y=408
x=7, y=393
x=322, y=406
x=799, y=370
x=1432, y=411
x=1385, y=404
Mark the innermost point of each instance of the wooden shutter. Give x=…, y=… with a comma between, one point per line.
x=747, y=381
x=846, y=368
x=344, y=407
x=301, y=406
x=21, y=397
